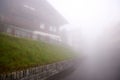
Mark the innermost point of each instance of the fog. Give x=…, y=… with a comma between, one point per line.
x=88, y=20
x=94, y=32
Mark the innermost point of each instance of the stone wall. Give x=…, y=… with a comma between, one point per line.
x=38, y=72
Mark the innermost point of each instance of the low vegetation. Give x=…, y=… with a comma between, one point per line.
x=19, y=53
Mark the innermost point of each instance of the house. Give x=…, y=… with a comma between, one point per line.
x=35, y=19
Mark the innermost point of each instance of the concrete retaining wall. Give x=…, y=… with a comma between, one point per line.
x=38, y=72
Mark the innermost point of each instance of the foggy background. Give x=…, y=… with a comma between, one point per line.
x=89, y=19
x=94, y=31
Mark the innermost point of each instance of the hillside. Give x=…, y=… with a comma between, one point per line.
x=19, y=53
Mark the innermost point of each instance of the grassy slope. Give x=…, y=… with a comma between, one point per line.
x=19, y=53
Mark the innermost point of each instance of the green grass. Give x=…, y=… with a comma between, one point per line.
x=19, y=53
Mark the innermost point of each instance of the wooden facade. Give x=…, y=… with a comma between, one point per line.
x=23, y=18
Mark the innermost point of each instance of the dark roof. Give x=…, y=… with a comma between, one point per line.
x=30, y=13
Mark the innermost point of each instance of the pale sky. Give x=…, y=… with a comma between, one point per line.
x=88, y=16
x=81, y=11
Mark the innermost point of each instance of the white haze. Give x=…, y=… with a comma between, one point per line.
x=87, y=17
x=94, y=31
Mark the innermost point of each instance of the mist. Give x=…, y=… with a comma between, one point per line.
x=90, y=28
x=93, y=32
x=89, y=20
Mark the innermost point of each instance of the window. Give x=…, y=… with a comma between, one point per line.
x=51, y=29
x=9, y=30
x=42, y=26
x=54, y=30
